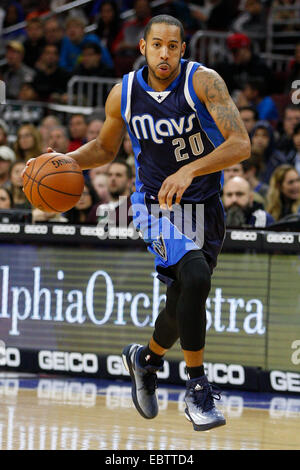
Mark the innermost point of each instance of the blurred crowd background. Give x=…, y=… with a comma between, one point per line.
x=59, y=63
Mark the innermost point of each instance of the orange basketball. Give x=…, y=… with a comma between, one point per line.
x=53, y=182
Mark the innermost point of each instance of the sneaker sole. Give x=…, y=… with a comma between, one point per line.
x=204, y=427
x=128, y=366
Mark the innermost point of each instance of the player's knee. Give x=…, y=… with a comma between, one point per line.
x=195, y=276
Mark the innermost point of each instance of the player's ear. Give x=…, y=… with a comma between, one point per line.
x=142, y=45
x=183, y=48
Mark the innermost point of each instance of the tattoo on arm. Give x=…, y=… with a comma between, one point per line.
x=219, y=102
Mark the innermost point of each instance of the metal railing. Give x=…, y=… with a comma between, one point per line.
x=275, y=29
x=89, y=91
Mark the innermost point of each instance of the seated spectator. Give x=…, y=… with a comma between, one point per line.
x=14, y=14
x=233, y=170
x=40, y=9
x=28, y=144
x=125, y=48
x=100, y=185
x=263, y=144
x=291, y=118
x=48, y=123
x=50, y=81
x=249, y=116
x=14, y=72
x=53, y=31
x=59, y=139
x=181, y=9
x=284, y=192
x=73, y=42
x=16, y=186
x=6, y=200
x=119, y=187
x=34, y=42
x=254, y=94
x=3, y=132
x=108, y=23
x=77, y=129
x=39, y=216
x=79, y=213
x=7, y=158
x=240, y=208
x=93, y=129
x=27, y=92
x=253, y=167
x=293, y=157
x=253, y=18
x=245, y=65
x=215, y=15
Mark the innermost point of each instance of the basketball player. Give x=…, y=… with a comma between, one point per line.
x=184, y=129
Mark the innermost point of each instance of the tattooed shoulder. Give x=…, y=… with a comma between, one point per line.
x=213, y=91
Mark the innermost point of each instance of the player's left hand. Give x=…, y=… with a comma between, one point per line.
x=175, y=184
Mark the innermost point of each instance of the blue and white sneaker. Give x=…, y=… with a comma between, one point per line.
x=144, y=383
x=200, y=408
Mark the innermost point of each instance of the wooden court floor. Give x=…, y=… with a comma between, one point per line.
x=65, y=414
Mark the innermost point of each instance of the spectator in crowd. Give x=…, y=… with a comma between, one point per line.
x=77, y=130
x=47, y=124
x=14, y=73
x=119, y=187
x=252, y=169
x=39, y=216
x=252, y=20
x=109, y=23
x=99, y=170
x=27, y=92
x=245, y=64
x=233, y=170
x=216, y=15
x=254, y=94
x=263, y=144
x=14, y=14
x=53, y=31
x=180, y=9
x=100, y=185
x=28, y=144
x=293, y=157
x=59, y=139
x=73, y=42
x=249, y=116
x=240, y=208
x=34, y=42
x=284, y=192
x=7, y=158
x=93, y=129
x=3, y=132
x=291, y=117
x=6, y=200
x=41, y=8
x=125, y=48
x=51, y=80
x=126, y=152
x=79, y=213
x=16, y=186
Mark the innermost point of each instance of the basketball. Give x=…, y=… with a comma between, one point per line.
x=53, y=182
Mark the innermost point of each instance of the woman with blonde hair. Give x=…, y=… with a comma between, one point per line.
x=283, y=197
x=29, y=143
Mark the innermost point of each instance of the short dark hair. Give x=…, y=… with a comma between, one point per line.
x=252, y=109
x=123, y=162
x=92, y=45
x=167, y=19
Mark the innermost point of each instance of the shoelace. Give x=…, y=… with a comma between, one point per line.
x=150, y=382
x=204, y=398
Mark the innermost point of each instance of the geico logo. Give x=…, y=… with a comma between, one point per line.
x=75, y=393
x=118, y=396
x=10, y=228
x=243, y=236
x=10, y=357
x=63, y=230
x=9, y=387
x=89, y=231
x=285, y=381
x=73, y=361
x=182, y=371
x=222, y=373
x=280, y=238
x=36, y=229
x=284, y=407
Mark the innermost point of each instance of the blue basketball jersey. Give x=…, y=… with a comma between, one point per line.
x=169, y=129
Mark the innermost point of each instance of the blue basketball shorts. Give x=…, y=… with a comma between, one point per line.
x=170, y=234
